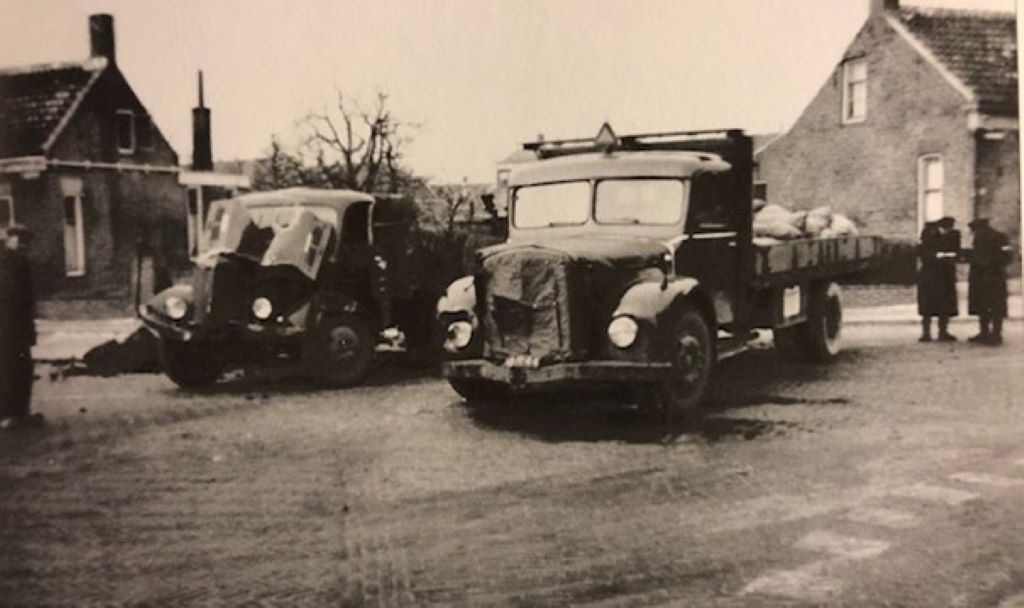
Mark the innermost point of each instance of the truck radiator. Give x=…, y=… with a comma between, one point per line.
x=528, y=306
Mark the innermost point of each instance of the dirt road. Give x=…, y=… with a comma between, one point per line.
x=895, y=476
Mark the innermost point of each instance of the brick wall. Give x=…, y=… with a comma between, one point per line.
x=869, y=170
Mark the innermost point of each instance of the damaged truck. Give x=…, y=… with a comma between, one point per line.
x=631, y=261
x=309, y=278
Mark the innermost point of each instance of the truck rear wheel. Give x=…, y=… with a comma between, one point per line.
x=692, y=360
x=819, y=338
x=187, y=364
x=472, y=389
x=343, y=351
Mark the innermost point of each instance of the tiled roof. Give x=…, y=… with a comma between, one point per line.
x=33, y=100
x=978, y=47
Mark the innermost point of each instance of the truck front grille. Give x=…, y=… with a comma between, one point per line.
x=526, y=300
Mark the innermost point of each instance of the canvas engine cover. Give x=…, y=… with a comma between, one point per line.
x=527, y=304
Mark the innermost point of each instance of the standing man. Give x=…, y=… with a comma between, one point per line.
x=986, y=281
x=17, y=328
x=936, y=280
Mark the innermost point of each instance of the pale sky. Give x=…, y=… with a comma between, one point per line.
x=480, y=76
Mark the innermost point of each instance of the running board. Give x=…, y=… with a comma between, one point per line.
x=731, y=348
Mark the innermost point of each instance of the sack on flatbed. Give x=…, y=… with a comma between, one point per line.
x=818, y=219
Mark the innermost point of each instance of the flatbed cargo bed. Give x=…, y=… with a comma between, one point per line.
x=788, y=262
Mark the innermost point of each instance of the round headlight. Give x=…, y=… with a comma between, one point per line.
x=622, y=331
x=459, y=335
x=176, y=308
x=262, y=308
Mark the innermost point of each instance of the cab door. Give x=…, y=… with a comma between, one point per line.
x=708, y=251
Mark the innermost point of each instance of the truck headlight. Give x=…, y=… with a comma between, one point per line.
x=262, y=308
x=622, y=331
x=176, y=308
x=459, y=335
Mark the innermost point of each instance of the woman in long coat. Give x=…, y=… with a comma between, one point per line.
x=936, y=279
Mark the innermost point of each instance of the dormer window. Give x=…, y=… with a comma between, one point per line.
x=855, y=90
x=125, y=131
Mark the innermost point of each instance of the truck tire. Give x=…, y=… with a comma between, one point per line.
x=824, y=322
x=189, y=365
x=692, y=360
x=819, y=338
x=474, y=390
x=343, y=351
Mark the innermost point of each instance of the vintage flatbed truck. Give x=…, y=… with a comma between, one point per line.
x=631, y=260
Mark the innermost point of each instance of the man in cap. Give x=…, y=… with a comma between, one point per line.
x=986, y=281
x=17, y=328
x=936, y=280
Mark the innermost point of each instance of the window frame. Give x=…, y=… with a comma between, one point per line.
x=923, y=187
x=79, y=235
x=131, y=129
x=10, y=206
x=846, y=115
x=146, y=121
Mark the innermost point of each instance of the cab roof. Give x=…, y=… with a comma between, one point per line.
x=616, y=164
x=339, y=199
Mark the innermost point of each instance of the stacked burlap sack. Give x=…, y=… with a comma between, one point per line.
x=777, y=223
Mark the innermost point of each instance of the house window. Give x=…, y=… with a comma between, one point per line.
x=144, y=131
x=125, y=131
x=6, y=211
x=74, y=237
x=929, y=186
x=855, y=90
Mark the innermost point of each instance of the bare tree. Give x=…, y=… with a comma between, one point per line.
x=358, y=148
x=279, y=169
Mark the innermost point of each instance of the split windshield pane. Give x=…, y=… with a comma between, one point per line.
x=549, y=205
x=639, y=201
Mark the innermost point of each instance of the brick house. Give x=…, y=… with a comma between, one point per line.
x=917, y=120
x=84, y=167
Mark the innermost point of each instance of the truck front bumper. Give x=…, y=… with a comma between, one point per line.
x=585, y=371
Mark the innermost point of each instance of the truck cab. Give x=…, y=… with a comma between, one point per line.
x=296, y=276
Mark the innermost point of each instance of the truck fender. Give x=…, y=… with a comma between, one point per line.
x=459, y=298
x=649, y=299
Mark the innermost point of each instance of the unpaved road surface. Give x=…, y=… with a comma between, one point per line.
x=893, y=477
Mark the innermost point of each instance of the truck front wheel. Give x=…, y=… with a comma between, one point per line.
x=692, y=357
x=189, y=365
x=343, y=351
x=472, y=389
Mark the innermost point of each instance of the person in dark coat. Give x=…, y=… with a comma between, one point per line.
x=17, y=328
x=986, y=281
x=936, y=280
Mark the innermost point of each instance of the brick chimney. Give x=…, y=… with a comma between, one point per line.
x=101, y=36
x=202, y=149
x=877, y=7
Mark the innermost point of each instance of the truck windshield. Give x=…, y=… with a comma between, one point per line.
x=640, y=201
x=548, y=205
x=271, y=235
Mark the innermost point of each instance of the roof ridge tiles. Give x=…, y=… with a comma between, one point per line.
x=89, y=65
x=936, y=11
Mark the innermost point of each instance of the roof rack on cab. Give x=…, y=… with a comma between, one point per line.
x=718, y=141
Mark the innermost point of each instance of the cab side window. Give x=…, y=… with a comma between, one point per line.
x=710, y=209
x=356, y=226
